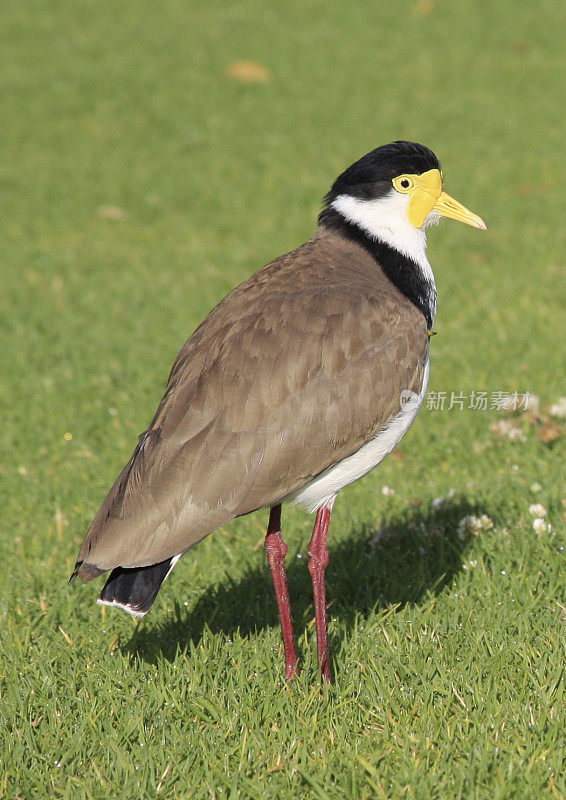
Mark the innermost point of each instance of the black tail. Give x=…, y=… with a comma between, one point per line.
x=135, y=589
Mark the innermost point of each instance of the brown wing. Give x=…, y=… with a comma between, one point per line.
x=290, y=373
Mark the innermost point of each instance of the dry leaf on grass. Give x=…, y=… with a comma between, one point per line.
x=248, y=72
x=111, y=212
x=423, y=8
x=549, y=432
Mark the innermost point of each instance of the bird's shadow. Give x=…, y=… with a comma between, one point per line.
x=415, y=555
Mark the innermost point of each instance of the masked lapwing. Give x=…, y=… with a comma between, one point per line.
x=298, y=383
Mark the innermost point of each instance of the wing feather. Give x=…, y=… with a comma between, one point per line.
x=296, y=369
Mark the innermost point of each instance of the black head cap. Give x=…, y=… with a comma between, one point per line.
x=371, y=175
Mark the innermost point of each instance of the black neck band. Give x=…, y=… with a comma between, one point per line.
x=402, y=271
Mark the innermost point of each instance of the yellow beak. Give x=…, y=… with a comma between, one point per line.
x=449, y=207
x=426, y=194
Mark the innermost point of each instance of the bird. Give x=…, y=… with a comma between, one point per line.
x=298, y=383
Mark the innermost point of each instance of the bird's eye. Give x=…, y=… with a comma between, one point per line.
x=403, y=183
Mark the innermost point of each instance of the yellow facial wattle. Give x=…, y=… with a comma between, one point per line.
x=425, y=192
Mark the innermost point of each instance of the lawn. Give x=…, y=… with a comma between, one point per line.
x=144, y=173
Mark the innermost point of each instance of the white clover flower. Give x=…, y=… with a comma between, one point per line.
x=474, y=525
x=387, y=491
x=558, y=409
x=469, y=524
x=537, y=510
x=516, y=435
x=540, y=526
x=442, y=502
x=506, y=428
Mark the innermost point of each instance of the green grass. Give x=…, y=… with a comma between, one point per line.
x=448, y=651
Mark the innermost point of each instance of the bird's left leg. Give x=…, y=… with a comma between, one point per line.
x=318, y=561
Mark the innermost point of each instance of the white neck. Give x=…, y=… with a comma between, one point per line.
x=386, y=219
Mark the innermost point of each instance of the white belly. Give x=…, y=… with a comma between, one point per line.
x=324, y=488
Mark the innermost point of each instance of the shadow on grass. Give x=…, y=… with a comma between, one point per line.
x=416, y=554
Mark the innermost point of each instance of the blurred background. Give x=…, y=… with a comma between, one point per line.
x=156, y=154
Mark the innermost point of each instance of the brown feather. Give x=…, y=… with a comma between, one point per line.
x=293, y=371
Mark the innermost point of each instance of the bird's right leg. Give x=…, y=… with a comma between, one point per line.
x=276, y=550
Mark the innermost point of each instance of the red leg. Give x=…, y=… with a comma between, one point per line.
x=318, y=561
x=276, y=550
